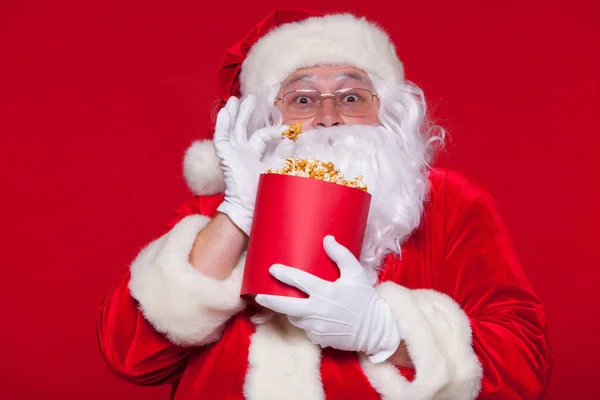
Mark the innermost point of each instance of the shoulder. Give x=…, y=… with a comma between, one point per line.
x=453, y=184
x=451, y=187
x=453, y=196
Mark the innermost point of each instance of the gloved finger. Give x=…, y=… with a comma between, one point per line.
x=283, y=304
x=306, y=323
x=334, y=341
x=222, y=127
x=345, y=260
x=283, y=149
x=316, y=324
x=297, y=278
x=262, y=137
x=319, y=340
x=225, y=121
x=240, y=134
x=232, y=107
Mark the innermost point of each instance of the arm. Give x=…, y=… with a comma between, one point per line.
x=131, y=347
x=164, y=305
x=218, y=247
x=482, y=332
x=507, y=319
x=185, y=285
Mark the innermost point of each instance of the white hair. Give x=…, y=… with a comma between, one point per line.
x=394, y=159
x=399, y=207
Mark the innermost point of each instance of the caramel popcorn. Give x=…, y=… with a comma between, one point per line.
x=294, y=131
x=319, y=170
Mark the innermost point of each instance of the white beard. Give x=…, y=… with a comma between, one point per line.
x=396, y=178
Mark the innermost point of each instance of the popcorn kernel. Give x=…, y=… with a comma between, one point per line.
x=315, y=169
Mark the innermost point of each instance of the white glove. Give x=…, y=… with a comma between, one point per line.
x=241, y=158
x=346, y=314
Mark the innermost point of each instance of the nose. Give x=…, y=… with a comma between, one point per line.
x=328, y=115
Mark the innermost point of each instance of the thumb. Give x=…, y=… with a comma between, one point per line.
x=345, y=260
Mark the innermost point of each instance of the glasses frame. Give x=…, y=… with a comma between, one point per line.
x=326, y=96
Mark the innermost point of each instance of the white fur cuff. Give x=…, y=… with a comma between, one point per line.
x=437, y=334
x=187, y=306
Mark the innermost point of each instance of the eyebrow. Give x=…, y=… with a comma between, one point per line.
x=299, y=78
x=353, y=75
x=342, y=75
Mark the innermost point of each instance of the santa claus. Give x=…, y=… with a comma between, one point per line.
x=435, y=307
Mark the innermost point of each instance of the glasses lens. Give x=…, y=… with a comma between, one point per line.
x=301, y=103
x=354, y=102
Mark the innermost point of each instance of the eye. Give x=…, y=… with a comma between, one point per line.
x=351, y=98
x=303, y=100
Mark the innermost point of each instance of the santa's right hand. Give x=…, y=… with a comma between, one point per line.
x=241, y=158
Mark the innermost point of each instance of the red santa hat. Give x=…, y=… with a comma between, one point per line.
x=286, y=40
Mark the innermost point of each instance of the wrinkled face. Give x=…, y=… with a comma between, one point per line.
x=348, y=97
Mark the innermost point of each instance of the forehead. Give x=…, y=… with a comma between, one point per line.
x=327, y=73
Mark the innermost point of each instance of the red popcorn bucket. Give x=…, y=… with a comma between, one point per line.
x=292, y=215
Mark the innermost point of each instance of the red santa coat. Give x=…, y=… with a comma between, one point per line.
x=471, y=321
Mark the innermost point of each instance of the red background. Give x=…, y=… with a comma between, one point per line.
x=99, y=100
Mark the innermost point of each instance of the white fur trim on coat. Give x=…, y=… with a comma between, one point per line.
x=437, y=334
x=187, y=306
x=283, y=364
x=201, y=169
x=329, y=40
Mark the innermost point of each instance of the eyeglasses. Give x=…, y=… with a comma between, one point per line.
x=306, y=103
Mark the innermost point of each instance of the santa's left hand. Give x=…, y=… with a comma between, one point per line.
x=346, y=314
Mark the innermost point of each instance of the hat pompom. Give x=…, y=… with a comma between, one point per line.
x=202, y=170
